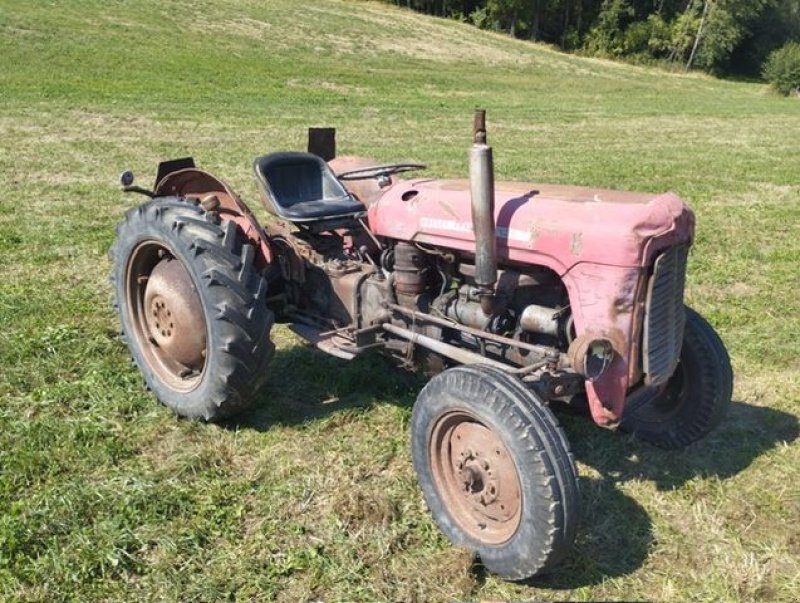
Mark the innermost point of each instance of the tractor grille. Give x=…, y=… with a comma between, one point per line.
x=664, y=316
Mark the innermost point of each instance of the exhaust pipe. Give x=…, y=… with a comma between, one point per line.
x=481, y=178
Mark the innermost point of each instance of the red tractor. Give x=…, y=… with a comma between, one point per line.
x=513, y=295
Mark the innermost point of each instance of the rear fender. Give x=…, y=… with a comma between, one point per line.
x=197, y=184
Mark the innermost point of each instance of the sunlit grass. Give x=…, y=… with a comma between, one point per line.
x=105, y=495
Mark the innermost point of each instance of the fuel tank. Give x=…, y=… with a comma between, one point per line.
x=554, y=226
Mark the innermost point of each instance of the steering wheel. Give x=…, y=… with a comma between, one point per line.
x=380, y=170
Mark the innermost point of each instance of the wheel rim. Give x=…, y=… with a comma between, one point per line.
x=476, y=477
x=167, y=316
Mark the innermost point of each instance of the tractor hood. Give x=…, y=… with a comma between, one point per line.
x=555, y=226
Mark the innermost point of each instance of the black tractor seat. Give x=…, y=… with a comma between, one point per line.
x=300, y=187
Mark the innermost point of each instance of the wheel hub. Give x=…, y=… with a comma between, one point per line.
x=477, y=477
x=174, y=315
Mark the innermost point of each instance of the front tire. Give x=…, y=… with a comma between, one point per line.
x=192, y=307
x=694, y=400
x=495, y=470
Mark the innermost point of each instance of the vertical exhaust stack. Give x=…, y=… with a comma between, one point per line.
x=481, y=177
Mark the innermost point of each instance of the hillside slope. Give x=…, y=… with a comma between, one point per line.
x=105, y=495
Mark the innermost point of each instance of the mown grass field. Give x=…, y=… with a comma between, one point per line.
x=105, y=495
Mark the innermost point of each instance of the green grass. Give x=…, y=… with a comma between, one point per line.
x=105, y=495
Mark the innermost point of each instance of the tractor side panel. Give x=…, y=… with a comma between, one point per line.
x=553, y=226
x=606, y=303
x=599, y=242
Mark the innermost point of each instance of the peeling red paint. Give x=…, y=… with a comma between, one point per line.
x=598, y=241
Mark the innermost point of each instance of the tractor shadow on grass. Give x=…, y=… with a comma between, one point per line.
x=746, y=433
x=615, y=534
x=305, y=384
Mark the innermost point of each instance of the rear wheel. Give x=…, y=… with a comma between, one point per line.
x=495, y=470
x=192, y=307
x=696, y=397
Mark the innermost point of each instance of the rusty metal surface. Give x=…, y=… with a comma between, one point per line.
x=409, y=262
x=479, y=127
x=460, y=355
x=167, y=316
x=326, y=344
x=476, y=477
x=481, y=177
x=538, y=350
x=324, y=275
x=599, y=242
x=552, y=226
x=366, y=191
x=174, y=314
x=467, y=313
x=540, y=319
x=194, y=183
x=346, y=279
x=590, y=356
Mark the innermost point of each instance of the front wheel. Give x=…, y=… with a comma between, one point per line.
x=694, y=400
x=495, y=470
x=192, y=307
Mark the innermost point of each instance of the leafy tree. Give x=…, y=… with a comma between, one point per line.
x=779, y=23
x=607, y=37
x=782, y=69
x=727, y=23
x=713, y=35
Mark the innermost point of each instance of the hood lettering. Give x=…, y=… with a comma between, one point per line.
x=510, y=234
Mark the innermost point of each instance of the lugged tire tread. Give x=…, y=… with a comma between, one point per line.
x=221, y=278
x=232, y=292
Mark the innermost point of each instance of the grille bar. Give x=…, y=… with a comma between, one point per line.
x=665, y=316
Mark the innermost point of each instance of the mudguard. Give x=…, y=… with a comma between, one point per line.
x=195, y=183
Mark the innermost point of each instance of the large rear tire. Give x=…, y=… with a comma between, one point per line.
x=694, y=400
x=192, y=307
x=495, y=470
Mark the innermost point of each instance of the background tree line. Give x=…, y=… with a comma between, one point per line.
x=718, y=36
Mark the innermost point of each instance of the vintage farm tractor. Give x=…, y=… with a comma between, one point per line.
x=514, y=295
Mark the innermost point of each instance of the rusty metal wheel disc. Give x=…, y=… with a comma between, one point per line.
x=167, y=316
x=476, y=477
